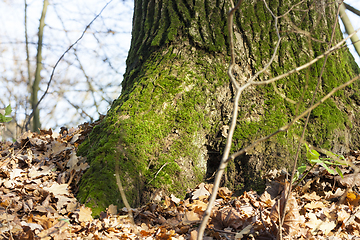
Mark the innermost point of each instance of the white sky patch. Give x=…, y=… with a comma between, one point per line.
x=101, y=52
x=355, y=20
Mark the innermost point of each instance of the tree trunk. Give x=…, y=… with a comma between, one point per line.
x=35, y=86
x=167, y=129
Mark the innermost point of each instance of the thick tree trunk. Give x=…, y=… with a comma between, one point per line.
x=167, y=129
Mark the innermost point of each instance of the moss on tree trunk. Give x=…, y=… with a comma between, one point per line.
x=167, y=129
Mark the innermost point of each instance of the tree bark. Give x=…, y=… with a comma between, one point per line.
x=35, y=85
x=168, y=127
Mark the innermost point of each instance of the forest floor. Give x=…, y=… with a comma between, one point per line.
x=40, y=172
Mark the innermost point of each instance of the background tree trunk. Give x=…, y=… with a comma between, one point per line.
x=168, y=127
x=35, y=85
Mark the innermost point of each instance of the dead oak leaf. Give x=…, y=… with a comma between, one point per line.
x=190, y=217
x=224, y=193
x=316, y=224
x=313, y=221
x=63, y=201
x=310, y=197
x=197, y=206
x=327, y=226
x=57, y=147
x=7, y=217
x=353, y=198
x=58, y=189
x=54, y=230
x=9, y=184
x=34, y=172
x=292, y=216
x=342, y=215
x=44, y=221
x=338, y=193
x=200, y=191
x=266, y=198
x=15, y=173
x=42, y=209
x=228, y=217
x=174, y=199
x=85, y=214
x=72, y=161
x=32, y=226
x=112, y=209
x=81, y=167
x=313, y=205
x=349, y=180
x=246, y=210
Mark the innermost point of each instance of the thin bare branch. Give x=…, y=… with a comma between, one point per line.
x=282, y=218
x=287, y=126
x=123, y=196
x=27, y=44
x=158, y=172
x=303, y=32
x=292, y=7
x=352, y=9
x=79, y=108
x=297, y=69
x=349, y=28
x=222, y=166
x=81, y=67
x=276, y=47
x=282, y=94
x=58, y=61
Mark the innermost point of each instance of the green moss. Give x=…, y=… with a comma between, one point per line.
x=165, y=106
x=257, y=27
x=165, y=110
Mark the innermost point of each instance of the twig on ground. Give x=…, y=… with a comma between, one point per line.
x=222, y=231
x=279, y=217
x=263, y=223
x=238, y=91
x=282, y=218
x=123, y=196
x=11, y=152
x=7, y=219
x=349, y=220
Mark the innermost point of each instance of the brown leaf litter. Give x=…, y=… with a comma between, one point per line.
x=40, y=172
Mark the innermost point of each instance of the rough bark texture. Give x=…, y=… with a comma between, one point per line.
x=36, y=83
x=166, y=130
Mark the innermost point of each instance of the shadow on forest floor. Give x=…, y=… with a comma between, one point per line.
x=39, y=176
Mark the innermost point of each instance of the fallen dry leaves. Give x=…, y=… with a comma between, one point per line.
x=40, y=172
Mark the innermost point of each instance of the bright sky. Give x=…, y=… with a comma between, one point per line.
x=355, y=20
x=102, y=54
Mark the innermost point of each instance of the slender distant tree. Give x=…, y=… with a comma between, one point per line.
x=35, y=84
x=80, y=90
